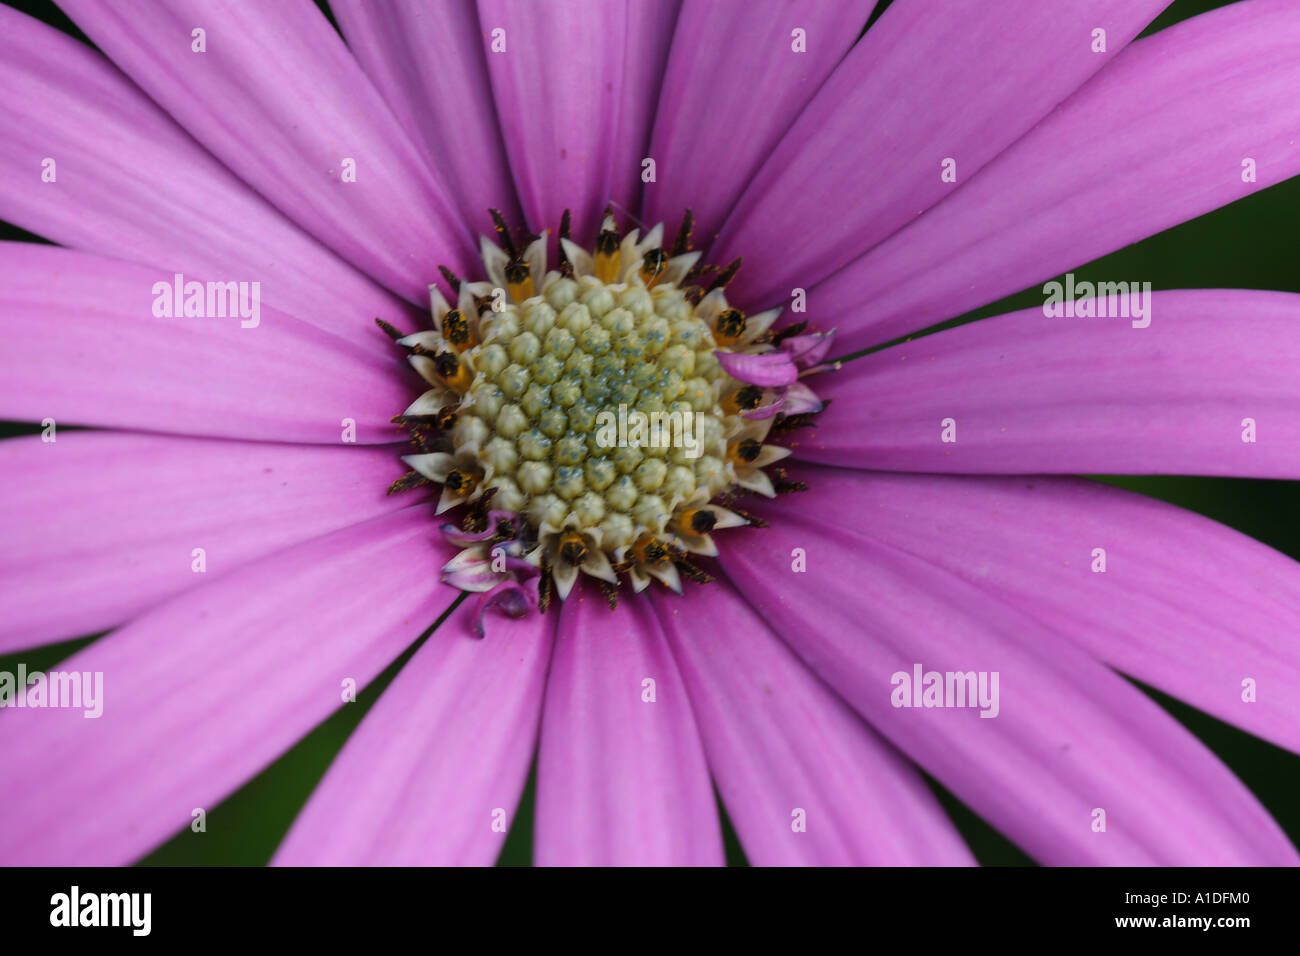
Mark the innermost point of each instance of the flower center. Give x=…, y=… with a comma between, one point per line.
x=601, y=417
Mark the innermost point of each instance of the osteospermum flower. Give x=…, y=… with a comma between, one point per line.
x=764, y=616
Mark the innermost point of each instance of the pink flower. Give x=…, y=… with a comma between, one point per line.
x=226, y=518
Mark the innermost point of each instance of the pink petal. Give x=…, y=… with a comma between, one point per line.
x=278, y=98
x=764, y=412
x=434, y=772
x=1031, y=394
x=1070, y=736
x=799, y=399
x=808, y=350
x=558, y=86
x=130, y=183
x=769, y=370
x=99, y=527
x=865, y=158
x=83, y=346
x=1158, y=138
x=206, y=690
x=426, y=60
x=620, y=780
x=779, y=741
x=1204, y=607
x=733, y=86
x=649, y=34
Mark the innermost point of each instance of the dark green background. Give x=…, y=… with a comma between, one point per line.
x=1250, y=244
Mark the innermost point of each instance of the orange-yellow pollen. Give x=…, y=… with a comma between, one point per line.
x=742, y=400
x=456, y=330
x=730, y=327
x=461, y=482
x=608, y=256
x=650, y=550
x=572, y=548
x=745, y=451
x=652, y=267
x=452, y=372
x=696, y=521
x=447, y=417
x=519, y=281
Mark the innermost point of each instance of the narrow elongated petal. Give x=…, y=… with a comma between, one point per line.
x=921, y=99
x=100, y=526
x=770, y=369
x=1202, y=609
x=278, y=98
x=648, y=38
x=804, y=780
x=426, y=58
x=1208, y=388
x=621, y=777
x=1161, y=136
x=84, y=345
x=433, y=774
x=557, y=79
x=206, y=690
x=126, y=181
x=736, y=80
x=1065, y=736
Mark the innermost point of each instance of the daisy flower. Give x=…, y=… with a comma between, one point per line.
x=357, y=329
